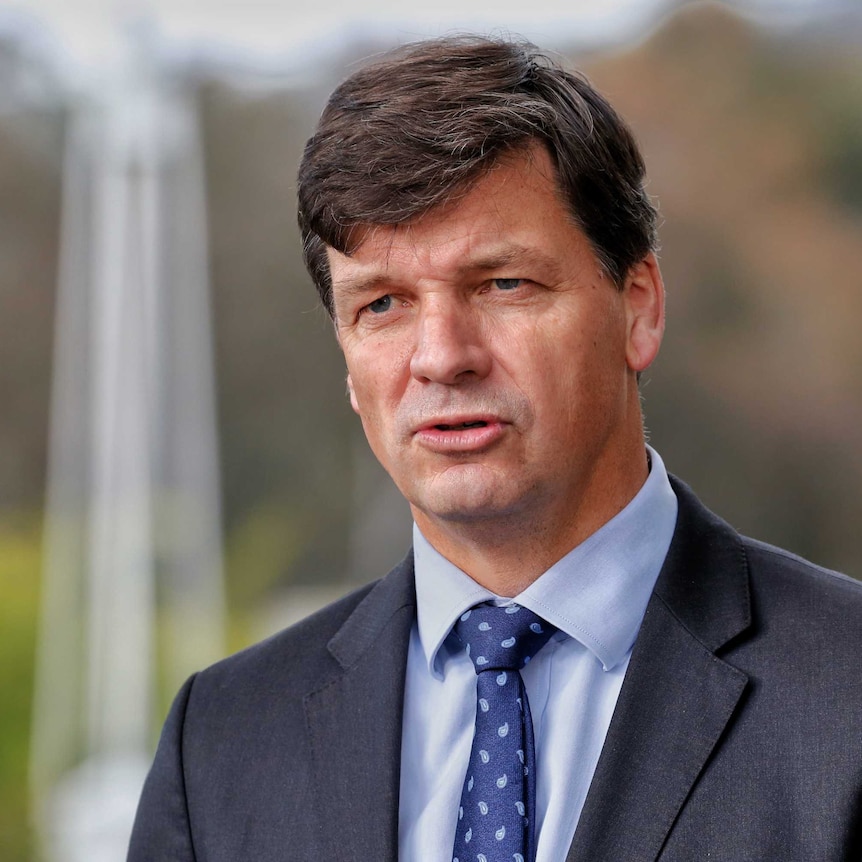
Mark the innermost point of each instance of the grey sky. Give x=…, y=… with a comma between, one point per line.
x=289, y=30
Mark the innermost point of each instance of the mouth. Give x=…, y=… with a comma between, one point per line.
x=460, y=426
x=460, y=436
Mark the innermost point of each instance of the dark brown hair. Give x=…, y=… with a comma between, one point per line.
x=419, y=126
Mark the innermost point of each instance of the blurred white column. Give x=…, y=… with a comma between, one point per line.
x=133, y=566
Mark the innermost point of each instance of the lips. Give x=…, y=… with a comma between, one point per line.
x=457, y=422
x=460, y=435
x=460, y=426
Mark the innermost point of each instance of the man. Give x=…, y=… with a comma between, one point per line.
x=475, y=221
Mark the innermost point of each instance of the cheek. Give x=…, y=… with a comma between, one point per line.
x=364, y=396
x=568, y=368
x=375, y=379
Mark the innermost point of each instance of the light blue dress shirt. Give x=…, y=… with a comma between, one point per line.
x=596, y=595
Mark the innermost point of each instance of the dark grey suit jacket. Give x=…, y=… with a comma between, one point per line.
x=737, y=735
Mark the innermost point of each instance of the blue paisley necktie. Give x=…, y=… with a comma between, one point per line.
x=497, y=811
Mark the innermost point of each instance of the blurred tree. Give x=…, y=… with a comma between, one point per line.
x=756, y=397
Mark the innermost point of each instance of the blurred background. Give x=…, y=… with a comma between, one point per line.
x=180, y=472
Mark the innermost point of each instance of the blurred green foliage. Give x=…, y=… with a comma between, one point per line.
x=20, y=566
x=842, y=129
x=261, y=548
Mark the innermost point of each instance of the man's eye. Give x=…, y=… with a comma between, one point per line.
x=383, y=303
x=507, y=283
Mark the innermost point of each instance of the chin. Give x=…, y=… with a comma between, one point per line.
x=472, y=492
x=469, y=503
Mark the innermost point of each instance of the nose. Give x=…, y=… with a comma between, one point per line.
x=450, y=345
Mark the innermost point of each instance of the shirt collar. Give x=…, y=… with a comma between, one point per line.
x=596, y=594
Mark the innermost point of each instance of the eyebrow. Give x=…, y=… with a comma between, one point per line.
x=494, y=259
x=512, y=255
x=357, y=285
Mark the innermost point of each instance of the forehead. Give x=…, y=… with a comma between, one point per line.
x=514, y=211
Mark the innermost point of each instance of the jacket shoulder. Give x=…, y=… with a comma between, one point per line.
x=820, y=610
x=312, y=651
x=780, y=573
x=764, y=557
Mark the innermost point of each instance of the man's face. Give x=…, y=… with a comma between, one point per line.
x=491, y=360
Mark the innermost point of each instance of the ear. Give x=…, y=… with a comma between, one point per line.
x=643, y=295
x=352, y=392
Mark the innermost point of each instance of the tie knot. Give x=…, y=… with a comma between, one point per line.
x=502, y=638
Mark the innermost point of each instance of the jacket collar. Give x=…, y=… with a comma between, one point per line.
x=678, y=696
x=354, y=725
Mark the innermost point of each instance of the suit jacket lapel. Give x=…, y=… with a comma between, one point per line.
x=678, y=695
x=354, y=724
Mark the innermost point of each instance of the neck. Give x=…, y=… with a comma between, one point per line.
x=507, y=553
